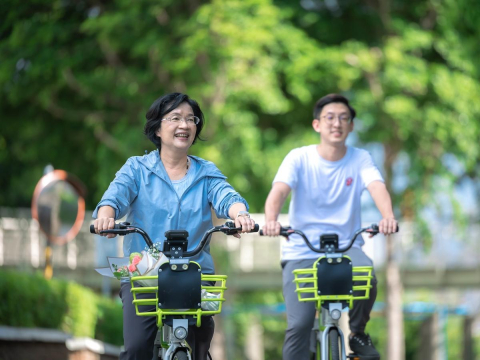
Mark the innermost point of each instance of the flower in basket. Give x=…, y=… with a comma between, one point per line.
x=120, y=272
x=135, y=259
x=129, y=270
x=144, y=263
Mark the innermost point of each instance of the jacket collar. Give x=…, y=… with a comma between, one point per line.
x=153, y=163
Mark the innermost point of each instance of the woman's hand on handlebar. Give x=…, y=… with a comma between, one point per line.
x=246, y=223
x=104, y=223
x=388, y=226
x=271, y=228
x=105, y=220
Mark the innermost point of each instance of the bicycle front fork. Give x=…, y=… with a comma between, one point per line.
x=329, y=327
x=169, y=339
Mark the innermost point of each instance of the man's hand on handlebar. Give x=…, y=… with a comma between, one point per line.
x=104, y=223
x=271, y=228
x=387, y=226
x=246, y=223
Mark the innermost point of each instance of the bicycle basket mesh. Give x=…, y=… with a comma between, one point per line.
x=307, y=288
x=145, y=298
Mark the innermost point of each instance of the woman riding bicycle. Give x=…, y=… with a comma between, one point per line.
x=168, y=189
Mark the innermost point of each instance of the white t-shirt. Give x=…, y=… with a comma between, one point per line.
x=325, y=196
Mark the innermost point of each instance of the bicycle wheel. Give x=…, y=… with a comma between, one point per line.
x=180, y=354
x=334, y=353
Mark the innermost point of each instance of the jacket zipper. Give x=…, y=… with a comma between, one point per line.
x=179, y=199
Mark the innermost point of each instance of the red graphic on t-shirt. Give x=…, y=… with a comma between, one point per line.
x=349, y=181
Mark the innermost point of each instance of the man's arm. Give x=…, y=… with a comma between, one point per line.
x=383, y=201
x=275, y=200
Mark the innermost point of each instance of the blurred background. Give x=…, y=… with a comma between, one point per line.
x=77, y=78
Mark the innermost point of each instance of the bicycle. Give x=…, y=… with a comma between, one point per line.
x=330, y=284
x=177, y=296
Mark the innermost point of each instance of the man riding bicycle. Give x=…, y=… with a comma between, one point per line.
x=326, y=181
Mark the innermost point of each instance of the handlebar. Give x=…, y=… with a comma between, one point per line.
x=286, y=231
x=228, y=229
x=125, y=228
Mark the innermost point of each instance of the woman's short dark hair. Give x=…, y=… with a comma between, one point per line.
x=162, y=106
x=331, y=98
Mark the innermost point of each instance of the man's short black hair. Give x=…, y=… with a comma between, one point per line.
x=332, y=98
x=162, y=106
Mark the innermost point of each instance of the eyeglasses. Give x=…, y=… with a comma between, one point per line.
x=344, y=119
x=189, y=120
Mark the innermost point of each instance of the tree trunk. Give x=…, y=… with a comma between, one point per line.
x=394, y=291
x=394, y=286
x=468, y=343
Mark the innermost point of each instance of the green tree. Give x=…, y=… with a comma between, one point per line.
x=81, y=76
x=76, y=78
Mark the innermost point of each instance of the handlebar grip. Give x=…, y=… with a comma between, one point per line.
x=375, y=229
x=255, y=228
x=233, y=230
x=115, y=227
x=284, y=231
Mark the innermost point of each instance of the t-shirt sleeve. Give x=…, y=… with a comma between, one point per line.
x=288, y=170
x=368, y=170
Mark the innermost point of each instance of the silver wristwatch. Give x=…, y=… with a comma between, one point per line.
x=243, y=213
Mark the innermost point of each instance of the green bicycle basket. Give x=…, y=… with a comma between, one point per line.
x=216, y=294
x=307, y=282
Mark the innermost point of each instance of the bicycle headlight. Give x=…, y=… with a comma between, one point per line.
x=180, y=332
x=335, y=314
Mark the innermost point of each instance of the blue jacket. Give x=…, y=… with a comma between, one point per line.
x=143, y=192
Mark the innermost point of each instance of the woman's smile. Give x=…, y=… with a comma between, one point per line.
x=182, y=135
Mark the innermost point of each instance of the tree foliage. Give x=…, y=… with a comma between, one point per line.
x=77, y=77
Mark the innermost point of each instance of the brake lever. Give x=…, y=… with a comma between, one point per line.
x=286, y=232
x=229, y=228
x=374, y=230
